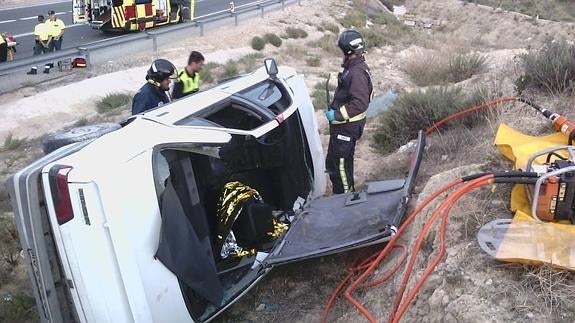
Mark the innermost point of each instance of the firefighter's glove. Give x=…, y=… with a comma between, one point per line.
x=330, y=114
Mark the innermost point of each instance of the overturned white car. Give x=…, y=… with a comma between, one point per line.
x=175, y=215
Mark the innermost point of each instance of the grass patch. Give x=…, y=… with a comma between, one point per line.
x=354, y=18
x=251, y=62
x=313, y=61
x=318, y=95
x=207, y=72
x=113, y=101
x=18, y=308
x=550, y=69
x=12, y=143
x=273, y=39
x=328, y=43
x=417, y=110
x=258, y=43
x=230, y=69
x=295, y=33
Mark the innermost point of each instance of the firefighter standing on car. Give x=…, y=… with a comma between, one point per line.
x=189, y=78
x=155, y=92
x=57, y=28
x=347, y=111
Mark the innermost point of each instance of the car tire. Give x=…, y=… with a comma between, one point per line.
x=78, y=134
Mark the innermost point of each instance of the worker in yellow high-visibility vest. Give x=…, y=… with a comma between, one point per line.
x=189, y=78
x=57, y=28
x=42, y=36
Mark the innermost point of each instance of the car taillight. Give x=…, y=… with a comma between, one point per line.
x=58, y=178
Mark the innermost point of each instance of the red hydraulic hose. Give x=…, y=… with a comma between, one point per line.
x=441, y=122
x=444, y=208
x=390, y=245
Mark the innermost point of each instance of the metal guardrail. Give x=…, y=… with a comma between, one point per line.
x=85, y=50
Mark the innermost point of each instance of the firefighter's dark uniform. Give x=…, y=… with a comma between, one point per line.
x=3, y=49
x=148, y=97
x=186, y=84
x=350, y=102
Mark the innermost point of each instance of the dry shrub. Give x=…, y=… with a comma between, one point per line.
x=551, y=69
x=438, y=68
x=547, y=289
x=419, y=109
x=273, y=39
x=292, y=32
x=330, y=26
x=328, y=43
x=354, y=18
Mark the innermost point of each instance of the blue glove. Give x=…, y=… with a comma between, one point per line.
x=330, y=114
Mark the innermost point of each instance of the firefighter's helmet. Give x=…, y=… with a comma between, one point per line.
x=350, y=42
x=160, y=70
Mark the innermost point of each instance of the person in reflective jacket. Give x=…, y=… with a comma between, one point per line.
x=154, y=93
x=189, y=78
x=346, y=113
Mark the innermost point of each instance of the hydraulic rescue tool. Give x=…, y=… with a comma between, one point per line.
x=553, y=195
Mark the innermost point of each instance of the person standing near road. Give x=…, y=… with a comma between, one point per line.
x=3, y=48
x=347, y=111
x=189, y=78
x=154, y=93
x=57, y=28
x=42, y=36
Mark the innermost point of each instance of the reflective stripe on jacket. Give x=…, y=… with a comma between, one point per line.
x=353, y=93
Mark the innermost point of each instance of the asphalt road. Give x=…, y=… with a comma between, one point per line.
x=21, y=21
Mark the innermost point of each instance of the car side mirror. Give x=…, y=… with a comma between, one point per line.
x=271, y=67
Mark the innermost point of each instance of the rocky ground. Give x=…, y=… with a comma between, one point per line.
x=467, y=286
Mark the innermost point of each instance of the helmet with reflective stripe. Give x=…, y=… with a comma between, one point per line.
x=350, y=42
x=160, y=70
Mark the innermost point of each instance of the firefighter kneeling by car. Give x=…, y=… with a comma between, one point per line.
x=347, y=111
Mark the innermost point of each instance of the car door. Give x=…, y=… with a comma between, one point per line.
x=342, y=222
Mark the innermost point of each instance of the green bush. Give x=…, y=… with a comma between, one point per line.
x=292, y=32
x=313, y=61
x=417, y=110
x=330, y=26
x=551, y=69
x=273, y=39
x=258, y=43
x=113, y=101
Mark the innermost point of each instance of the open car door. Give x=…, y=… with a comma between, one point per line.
x=348, y=221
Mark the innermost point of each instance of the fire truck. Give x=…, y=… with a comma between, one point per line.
x=131, y=15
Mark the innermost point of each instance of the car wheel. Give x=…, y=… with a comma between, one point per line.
x=78, y=134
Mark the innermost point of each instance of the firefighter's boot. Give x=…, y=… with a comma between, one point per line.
x=33, y=71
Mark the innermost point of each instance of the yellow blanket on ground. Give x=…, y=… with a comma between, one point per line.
x=524, y=239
